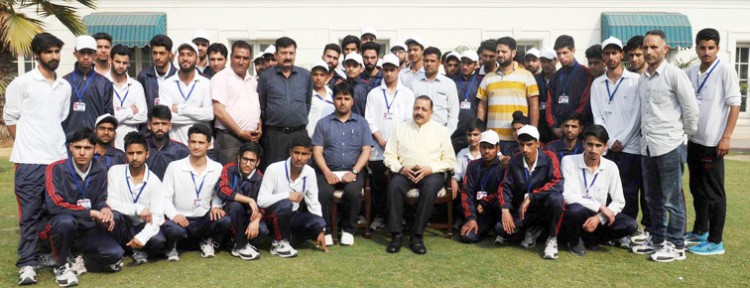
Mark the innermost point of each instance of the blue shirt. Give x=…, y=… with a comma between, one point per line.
x=342, y=142
x=159, y=158
x=95, y=91
x=285, y=102
x=561, y=150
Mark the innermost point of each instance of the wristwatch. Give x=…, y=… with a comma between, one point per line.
x=355, y=171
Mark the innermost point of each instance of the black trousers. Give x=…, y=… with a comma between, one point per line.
x=428, y=189
x=351, y=201
x=707, y=186
x=275, y=145
x=576, y=215
x=632, y=185
x=378, y=187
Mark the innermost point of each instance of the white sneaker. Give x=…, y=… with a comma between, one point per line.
x=139, y=257
x=115, y=267
x=668, y=253
x=377, y=224
x=347, y=239
x=648, y=247
x=624, y=243
x=550, y=250
x=64, y=276
x=207, y=248
x=79, y=266
x=27, y=275
x=500, y=240
x=283, y=249
x=172, y=254
x=640, y=236
x=249, y=252
x=529, y=238
x=329, y=240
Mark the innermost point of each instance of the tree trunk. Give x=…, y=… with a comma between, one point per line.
x=8, y=71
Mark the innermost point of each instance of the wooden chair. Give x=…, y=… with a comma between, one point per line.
x=366, y=198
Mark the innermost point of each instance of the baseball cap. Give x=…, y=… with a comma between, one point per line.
x=398, y=45
x=471, y=55
x=321, y=64
x=489, y=136
x=453, y=54
x=391, y=59
x=612, y=41
x=548, y=53
x=529, y=130
x=416, y=40
x=106, y=118
x=368, y=30
x=200, y=34
x=188, y=44
x=270, y=50
x=533, y=52
x=85, y=42
x=354, y=57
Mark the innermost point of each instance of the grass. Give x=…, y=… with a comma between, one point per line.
x=447, y=264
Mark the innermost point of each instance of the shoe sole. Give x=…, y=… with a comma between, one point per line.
x=643, y=252
x=71, y=284
x=27, y=281
x=243, y=257
x=171, y=259
x=207, y=256
x=708, y=253
x=669, y=259
x=139, y=262
x=282, y=255
x=550, y=257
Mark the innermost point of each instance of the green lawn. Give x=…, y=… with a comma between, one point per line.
x=447, y=264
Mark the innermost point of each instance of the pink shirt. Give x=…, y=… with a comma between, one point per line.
x=239, y=96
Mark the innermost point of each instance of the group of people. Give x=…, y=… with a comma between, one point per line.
x=108, y=165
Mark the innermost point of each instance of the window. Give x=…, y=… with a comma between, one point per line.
x=22, y=64
x=141, y=59
x=742, y=67
x=385, y=47
x=523, y=46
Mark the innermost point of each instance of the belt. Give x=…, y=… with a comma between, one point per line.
x=285, y=129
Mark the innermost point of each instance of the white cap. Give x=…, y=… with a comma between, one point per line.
x=321, y=64
x=453, y=54
x=612, y=41
x=85, y=42
x=106, y=116
x=489, y=136
x=368, y=30
x=391, y=59
x=259, y=56
x=471, y=55
x=548, y=53
x=354, y=57
x=529, y=130
x=201, y=34
x=533, y=52
x=379, y=63
x=270, y=50
x=416, y=40
x=398, y=45
x=189, y=44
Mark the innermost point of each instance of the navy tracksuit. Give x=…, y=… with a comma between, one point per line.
x=70, y=225
x=125, y=230
x=360, y=95
x=467, y=91
x=575, y=83
x=231, y=183
x=302, y=224
x=95, y=91
x=158, y=160
x=111, y=157
x=29, y=189
x=561, y=150
x=150, y=84
x=487, y=178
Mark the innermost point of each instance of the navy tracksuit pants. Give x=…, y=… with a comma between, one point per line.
x=69, y=233
x=198, y=228
x=300, y=225
x=240, y=216
x=29, y=188
x=125, y=230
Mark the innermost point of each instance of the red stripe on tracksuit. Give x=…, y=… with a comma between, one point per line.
x=276, y=228
x=224, y=182
x=555, y=173
x=49, y=175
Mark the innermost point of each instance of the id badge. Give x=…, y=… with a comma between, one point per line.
x=388, y=115
x=156, y=101
x=196, y=203
x=117, y=109
x=79, y=106
x=85, y=203
x=542, y=105
x=608, y=109
x=564, y=99
x=481, y=195
x=465, y=104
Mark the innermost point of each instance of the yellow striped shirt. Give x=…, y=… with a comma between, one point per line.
x=506, y=94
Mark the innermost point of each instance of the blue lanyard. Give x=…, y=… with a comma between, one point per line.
x=189, y=93
x=107, y=159
x=467, y=92
x=698, y=77
x=612, y=94
x=197, y=188
x=528, y=183
x=122, y=99
x=324, y=100
x=385, y=96
x=486, y=178
x=585, y=182
x=78, y=183
x=79, y=93
x=135, y=199
x=237, y=178
x=570, y=78
x=304, y=179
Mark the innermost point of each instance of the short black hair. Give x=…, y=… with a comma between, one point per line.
x=120, y=50
x=44, y=41
x=345, y=87
x=241, y=45
x=489, y=45
x=160, y=112
x=507, y=41
x=135, y=138
x=83, y=133
x=476, y=123
x=635, y=42
x=657, y=32
x=103, y=36
x=371, y=46
x=597, y=131
x=432, y=51
x=526, y=138
x=564, y=41
x=332, y=46
x=218, y=47
x=572, y=116
x=250, y=147
x=519, y=58
x=300, y=140
x=349, y=39
x=200, y=128
x=424, y=97
x=595, y=51
x=518, y=117
x=707, y=34
x=161, y=40
x=285, y=42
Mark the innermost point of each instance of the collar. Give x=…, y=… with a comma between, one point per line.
x=289, y=166
x=423, y=77
x=37, y=75
x=399, y=86
x=176, y=78
x=659, y=70
x=145, y=175
x=493, y=163
x=581, y=163
x=172, y=70
x=352, y=117
x=77, y=70
x=626, y=74
x=536, y=162
x=80, y=173
x=247, y=74
x=295, y=70
x=329, y=93
x=570, y=68
x=424, y=126
x=189, y=168
x=128, y=82
x=468, y=154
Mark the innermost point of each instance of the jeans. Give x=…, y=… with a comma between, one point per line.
x=662, y=180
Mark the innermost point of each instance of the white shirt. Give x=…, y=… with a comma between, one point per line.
x=406, y=76
x=37, y=108
x=442, y=91
x=180, y=189
x=320, y=106
x=606, y=182
x=122, y=98
x=131, y=200
x=622, y=115
x=276, y=186
x=198, y=108
x=239, y=97
x=720, y=91
x=462, y=161
x=376, y=113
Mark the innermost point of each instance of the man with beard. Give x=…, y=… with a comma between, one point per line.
x=636, y=56
x=162, y=150
x=103, y=47
x=187, y=94
x=548, y=61
x=153, y=77
x=372, y=76
x=368, y=35
x=569, y=88
x=331, y=54
x=531, y=61
x=201, y=41
x=128, y=99
x=505, y=91
x=415, y=47
x=594, y=58
x=104, y=152
x=569, y=144
x=269, y=57
x=217, y=59
x=399, y=49
x=439, y=88
x=488, y=55
x=35, y=104
x=92, y=93
x=259, y=66
x=467, y=82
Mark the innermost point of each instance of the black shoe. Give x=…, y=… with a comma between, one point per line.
x=577, y=247
x=417, y=246
x=395, y=245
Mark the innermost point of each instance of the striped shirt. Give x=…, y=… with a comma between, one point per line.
x=506, y=94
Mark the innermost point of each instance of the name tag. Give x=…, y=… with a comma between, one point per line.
x=465, y=104
x=79, y=106
x=608, y=109
x=85, y=203
x=481, y=195
x=196, y=203
x=564, y=99
x=156, y=101
x=387, y=115
x=542, y=105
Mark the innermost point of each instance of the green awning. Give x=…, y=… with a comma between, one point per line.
x=625, y=25
x=129, y=29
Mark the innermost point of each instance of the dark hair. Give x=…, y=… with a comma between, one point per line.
x=258, y=60
x=707, y=34
x=120, y=50
x=526, y=138
x=507, y=41
x=424, y=97
x=519, y=58
x=250, y=147
x=103, y=36
x=371, y=46
x=572, y=116
x=476, y=124
x=160, y=112
x=300, y=140
x=161, y=40
x=564, y=41
x=135, y=138
x=635, y=42
x=44, y=41
x=597, y=131
x=200, y=128
x=489, y=45
x=241, y=45
x=349, y=39
x=83, y=133
x=220, y=48
x=285, y=42
x=332, y=46
x=110, y=119
x=595, y=51
x=518, y=117
x=657, y=32
x=432, y=51
x=346, y=88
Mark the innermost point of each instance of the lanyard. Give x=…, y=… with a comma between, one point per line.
x=467, y=92
x=528, y=183
x=700, y=87
x=135, y=199
x=570, y=78
x=197, y=188
x=563, y=155
x=585, y=182
x=324, y=100
x=78, y=183
x=79, y=93
x=385, y=96
x=189, y=93
x=612, y=94
x=304, y=179
x=123, y=98
x=486, y=178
